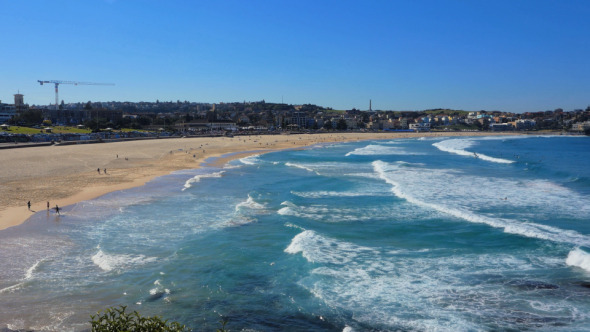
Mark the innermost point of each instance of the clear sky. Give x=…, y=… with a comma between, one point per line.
x=513, y=56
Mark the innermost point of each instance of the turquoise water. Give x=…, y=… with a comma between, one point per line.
x=445, y=234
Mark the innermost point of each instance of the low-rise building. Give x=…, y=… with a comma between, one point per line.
x=420, y=127
x=581, y=126
x=500, y=127
x=525, y=124
x=7, y=111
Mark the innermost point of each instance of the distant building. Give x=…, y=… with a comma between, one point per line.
x=419, y=127
x=403, y=122
x=19, y=99
x=525, y=124
x=351, y=123
x=223, y=126
x=7, y=111
x=581, y=126
x=299, y=119
x=500, y=127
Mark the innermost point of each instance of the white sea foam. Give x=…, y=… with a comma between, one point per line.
x=189, y=183
x=12, y=288
x=504, y=138
x=459, y=146
x=287, y=209
x=326, y=213
x=312, y=247
x=395, y=142
x=380, y=150
x=322, y=194
x=115, y=262
x=579, y=258
x=291, y=225
x=237, y=221
x=250, y=160
x=29, y=273
x=336, y=169
x=230, y=166
x=374, y=284
x=250, y=203
x=363, y=175
x=459, y=204
x=307, y=168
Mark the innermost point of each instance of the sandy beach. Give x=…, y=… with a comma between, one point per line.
x=64, y=175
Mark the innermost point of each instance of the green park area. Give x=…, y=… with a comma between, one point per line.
x=41, y=130
x=54, y=130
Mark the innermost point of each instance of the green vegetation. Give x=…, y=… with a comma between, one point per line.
x=69, y=130
x=446, y=111
x=55, y=130
x=21, y=130
x=334, y=112
x=116, y=319
x=126, y=130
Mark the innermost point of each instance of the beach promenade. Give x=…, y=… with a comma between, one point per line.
x=64, y=175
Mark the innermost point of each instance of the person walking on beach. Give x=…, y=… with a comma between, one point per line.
x=29, y=205
x=105, y=171
x=47, y=205
x=57, y=209
x=98, y=170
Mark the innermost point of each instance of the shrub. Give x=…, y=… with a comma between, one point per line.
x=116, y=319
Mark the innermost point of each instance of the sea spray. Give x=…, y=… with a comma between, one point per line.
x=579, y=258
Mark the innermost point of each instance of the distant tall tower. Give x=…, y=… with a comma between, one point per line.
x=370, y=105
x=19, y=99
x=19, y=102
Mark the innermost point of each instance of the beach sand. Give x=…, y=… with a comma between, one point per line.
x=64, y=175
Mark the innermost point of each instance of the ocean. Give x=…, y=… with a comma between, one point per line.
x=422, y=234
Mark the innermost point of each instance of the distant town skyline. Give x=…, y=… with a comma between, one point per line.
x=523, y=56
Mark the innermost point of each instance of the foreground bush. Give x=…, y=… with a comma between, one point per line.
x=116, y=319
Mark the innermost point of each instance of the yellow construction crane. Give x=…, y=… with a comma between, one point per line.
x=57, y=83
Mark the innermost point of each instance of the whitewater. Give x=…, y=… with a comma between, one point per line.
x=442, y=234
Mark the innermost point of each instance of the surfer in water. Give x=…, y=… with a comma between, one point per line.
x=475, y=155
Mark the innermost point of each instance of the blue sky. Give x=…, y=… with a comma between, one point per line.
x=514, y=56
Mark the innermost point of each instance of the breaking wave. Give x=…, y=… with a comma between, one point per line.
x=579, y=258
x=250, y=160
x=379, y=150
x=115, y=262
x=250, y=203
x=301, y=167
x=527, y=229
x=459, y=146
x=190, y=182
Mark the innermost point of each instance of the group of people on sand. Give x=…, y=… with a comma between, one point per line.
x=56, y=208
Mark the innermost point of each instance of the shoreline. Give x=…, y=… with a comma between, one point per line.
x=66, y=175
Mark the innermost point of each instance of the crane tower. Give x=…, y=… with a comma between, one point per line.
x=57, y=83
